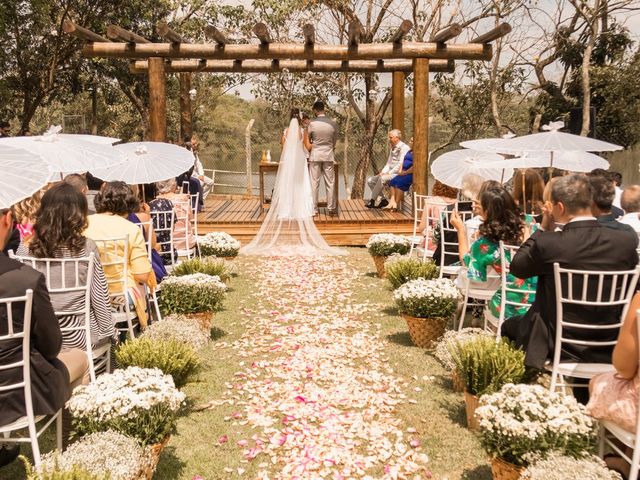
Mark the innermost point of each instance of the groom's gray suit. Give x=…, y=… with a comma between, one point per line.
x=323, y=134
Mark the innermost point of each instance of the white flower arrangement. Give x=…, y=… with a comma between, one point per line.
x=102, y=453
x=437, y=298
x=521, y=420
x=178, y=327
x=453, y=338
x=386, y=244
x=219, y=244
x=140, y=402
x=562, y=467
x=194, y=293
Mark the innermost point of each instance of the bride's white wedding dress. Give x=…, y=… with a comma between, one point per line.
x=288, y=227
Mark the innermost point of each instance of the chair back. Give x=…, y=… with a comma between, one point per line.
x=146, y=228
x=195, y=206
x=590, y=288
x=183, y=210
x=184, y=188
x=449, y=247
x=429, y=208
x=10, y=336
x=163, y=221
x=506, y=254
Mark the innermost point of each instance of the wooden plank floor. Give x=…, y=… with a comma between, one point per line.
x=242, y=217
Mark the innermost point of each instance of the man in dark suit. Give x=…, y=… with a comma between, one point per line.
x=50, y=380
x=604, y=192
x=583, y=244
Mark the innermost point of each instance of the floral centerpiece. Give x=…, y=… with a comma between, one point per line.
x=399, y=269
x=140, y=402
x=484, y=366
x=447, y=345
x=383, y=245
x=197, y=293
x=524, y=420
x=218, y=244
x=563, y=467
x=178, y=327
x=427, y=306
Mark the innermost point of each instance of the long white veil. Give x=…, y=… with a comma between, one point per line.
x=288, y=227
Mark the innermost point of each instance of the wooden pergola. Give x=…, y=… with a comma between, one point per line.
x=398, y=57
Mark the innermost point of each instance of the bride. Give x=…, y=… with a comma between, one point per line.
x=288, y=227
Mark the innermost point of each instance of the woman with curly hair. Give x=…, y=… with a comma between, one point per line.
x=25, y=213
x=58, y=233
x=501, y=221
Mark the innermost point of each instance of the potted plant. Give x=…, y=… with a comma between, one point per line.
x=399, y=269
x=484, y=366
x=178, y=327
x=427, y=307
x=219, y=244
x=174, y=357
x=383, y=245
x=447, y=345
x=521, y=421
x=142, y=403
x=562, y=467
x=197, y=295
x=208, y=265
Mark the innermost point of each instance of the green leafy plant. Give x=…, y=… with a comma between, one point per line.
x=484, y=366
x=386, y=244
x=172, y=356
x=194, y=293
x=423, y=298
x=208, y=265
x=178, y=327
x=521, y=422
x=56, y=473
x=401, y=269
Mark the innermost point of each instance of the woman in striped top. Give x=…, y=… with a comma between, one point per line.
x=58, y=234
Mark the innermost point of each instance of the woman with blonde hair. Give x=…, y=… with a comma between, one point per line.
x=528, y=187
x=25, y=214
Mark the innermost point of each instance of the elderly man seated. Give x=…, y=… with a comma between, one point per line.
x=394, y=163
x=631, y=205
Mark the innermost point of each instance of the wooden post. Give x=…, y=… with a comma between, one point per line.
x=94, y=108
x=420, y=125
x=186, y=128
x=397, y=102
x=247, y=147
x=157, y=101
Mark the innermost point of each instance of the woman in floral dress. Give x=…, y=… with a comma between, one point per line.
x=501, y=222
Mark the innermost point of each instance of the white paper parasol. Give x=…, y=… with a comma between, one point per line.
x=23, y=174
x=485, y=144
x=90, y=138
x=148, y=162
x=450, y=167
x=64, y=153
x=571, y=161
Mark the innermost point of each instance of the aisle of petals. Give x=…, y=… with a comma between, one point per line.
x=321, y=396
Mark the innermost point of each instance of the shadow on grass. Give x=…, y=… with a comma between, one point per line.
x=371, y=274
x=217, y=333
x=391, y=311
x=170, y=466
x=482, y=472
x=455, y=411
x=400, y=338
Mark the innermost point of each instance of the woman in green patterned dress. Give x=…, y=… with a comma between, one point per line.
x=501, y=221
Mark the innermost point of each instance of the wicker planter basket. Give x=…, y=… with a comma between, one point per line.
x=458, y=384
x=379, y=261
x=471, y=403
x=204, y=320
x=502, y=470
x=425, y=331
x=150, y=461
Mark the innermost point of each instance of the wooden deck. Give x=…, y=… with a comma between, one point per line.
x=242, y=217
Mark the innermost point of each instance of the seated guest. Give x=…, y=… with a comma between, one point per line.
x=631, y=206
x=169, y=199
x=582, y=244
x=79, y=182
x=401, y=182
x=377, y=182
x=603, y=193
x=527, y=191
x=54, y=373
x=111, y=222
x=500, y=222
x=60, y=223
x=205, y=183
x=599, y=172
x=616, y=178
x=25, y=213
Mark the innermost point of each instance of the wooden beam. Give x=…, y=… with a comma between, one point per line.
x=420, y=125
x=365, y=51
x=216, y=35
x=262, y=32
x=355, y=32
x=494, y=34
x=397, y=101
x=157, y=101
x=115, y=32
x=268, y=66
x=185, y=105
x=82, y=33
x=309, y=32
x=404, y=28
x=167, y=33
x=447, y=33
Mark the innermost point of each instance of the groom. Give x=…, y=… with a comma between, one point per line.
x=323, y=135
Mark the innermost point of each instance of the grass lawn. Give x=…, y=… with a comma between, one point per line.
x=437, y=413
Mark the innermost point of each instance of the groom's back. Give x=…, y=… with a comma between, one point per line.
x=323, y=133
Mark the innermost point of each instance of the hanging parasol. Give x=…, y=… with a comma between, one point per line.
x=23, y=174
x=449, y=168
